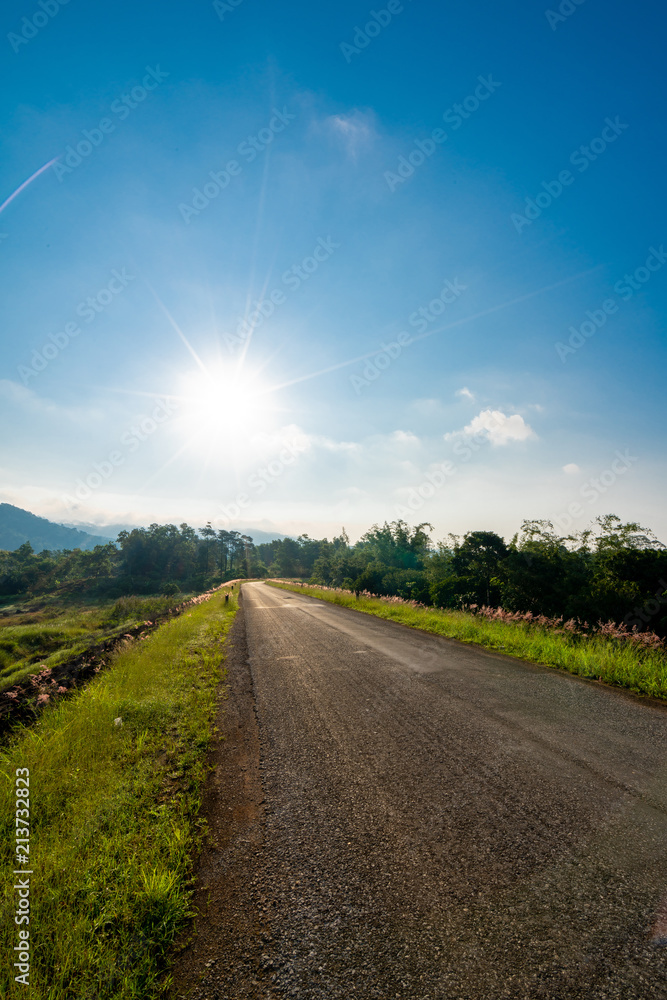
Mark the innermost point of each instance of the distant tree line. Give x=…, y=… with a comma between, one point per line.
x=158, y=559
x=612, y=572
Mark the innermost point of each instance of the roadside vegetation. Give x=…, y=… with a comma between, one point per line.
x=43, y=633
x=616, y=655
x=606, y=584
x=116, y=778
x=611, y=572
x=163, y=560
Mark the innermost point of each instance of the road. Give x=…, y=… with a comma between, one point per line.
x=399, y=815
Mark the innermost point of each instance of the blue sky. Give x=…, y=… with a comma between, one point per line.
x=298, y=267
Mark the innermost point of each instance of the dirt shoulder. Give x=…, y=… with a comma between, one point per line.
x=222, y=954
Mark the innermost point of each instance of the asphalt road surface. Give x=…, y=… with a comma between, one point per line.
x=398, y=815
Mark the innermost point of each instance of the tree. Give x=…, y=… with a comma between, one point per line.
x=477, y=561
x=629, y=564
x=224, y=541
x=287, y=557
x=545, y=573
x=208, y=533
x=397, y=544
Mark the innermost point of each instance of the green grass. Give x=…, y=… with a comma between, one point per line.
x=140, y=608
x=50, y=634
x=113, y=815
x=614, y=662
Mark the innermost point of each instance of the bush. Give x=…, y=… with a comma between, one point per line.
x=444, y=593
x=140, y=608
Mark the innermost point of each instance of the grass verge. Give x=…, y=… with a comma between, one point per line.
x=113, y=815
x=47, y=636
x=608, y=660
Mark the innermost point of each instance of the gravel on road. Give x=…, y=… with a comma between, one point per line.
x=399, y=816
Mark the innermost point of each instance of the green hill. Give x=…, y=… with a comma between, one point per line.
x=18, y=526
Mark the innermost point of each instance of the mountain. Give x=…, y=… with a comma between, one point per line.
x=18, y=526
x=257, y=534
x=108, y=530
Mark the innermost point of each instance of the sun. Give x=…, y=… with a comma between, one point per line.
x=218, y=399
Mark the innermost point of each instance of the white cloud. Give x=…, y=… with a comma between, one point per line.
x=405, y=437
x=571, y=469
x=268, y=443
x=328, y=444
x=351, y=447
x=427, y=407
x=356, y=130
x=466, y=393
x=497, y=427
x=26, y=399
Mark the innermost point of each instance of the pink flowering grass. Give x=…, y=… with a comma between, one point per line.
x=608, y=630
x=605, y=652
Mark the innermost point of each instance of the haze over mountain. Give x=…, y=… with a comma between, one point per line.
x=18, y=526
x=113, y=530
